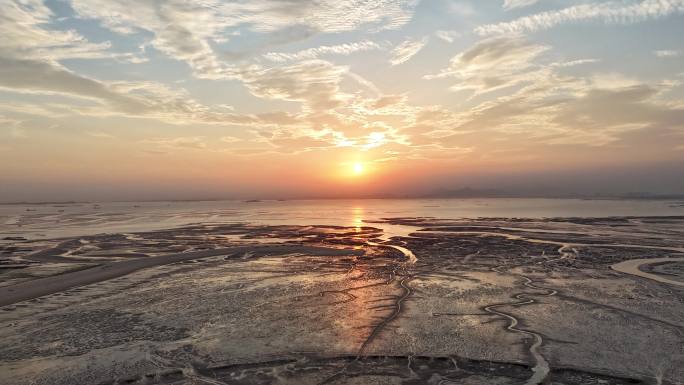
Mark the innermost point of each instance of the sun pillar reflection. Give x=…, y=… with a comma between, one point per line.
x=361, y=313
x=357, y=218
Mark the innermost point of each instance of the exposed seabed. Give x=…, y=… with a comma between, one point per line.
x=470, y=301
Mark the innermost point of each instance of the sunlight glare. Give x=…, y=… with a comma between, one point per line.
x=358, y=168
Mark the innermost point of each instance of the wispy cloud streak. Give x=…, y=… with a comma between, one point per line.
x=512, y=4
x=314, y=53
x=667, y=53
x=613, y=12
x=406, y=50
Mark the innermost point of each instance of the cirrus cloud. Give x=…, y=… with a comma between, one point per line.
x=189, y=32
x=614, y=12
x=406, y=50
x=492, y=64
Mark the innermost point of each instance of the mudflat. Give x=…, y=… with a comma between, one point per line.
x=437, y=301
x=101, y=272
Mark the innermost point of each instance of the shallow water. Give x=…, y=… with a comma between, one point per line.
x=62, y=220
x=633, y=267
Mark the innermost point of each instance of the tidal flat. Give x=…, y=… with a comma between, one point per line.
x=393, y=300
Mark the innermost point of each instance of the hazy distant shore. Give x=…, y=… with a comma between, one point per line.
x=629, y=196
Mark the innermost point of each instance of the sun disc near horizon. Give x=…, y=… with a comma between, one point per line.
x=358, y=168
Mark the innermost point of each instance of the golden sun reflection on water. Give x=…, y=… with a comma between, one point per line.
x=357, y=218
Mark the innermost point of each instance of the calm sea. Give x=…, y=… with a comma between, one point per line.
x=60, y=220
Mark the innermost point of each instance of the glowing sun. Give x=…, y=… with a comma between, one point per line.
x=358, y=168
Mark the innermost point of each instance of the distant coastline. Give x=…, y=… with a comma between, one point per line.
x=464, y=193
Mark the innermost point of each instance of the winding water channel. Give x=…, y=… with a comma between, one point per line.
x=541, y=368
x=632, y=266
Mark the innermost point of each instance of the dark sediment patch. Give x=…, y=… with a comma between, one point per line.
x=376, y=369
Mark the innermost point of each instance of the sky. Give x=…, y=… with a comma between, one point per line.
x=151, y=99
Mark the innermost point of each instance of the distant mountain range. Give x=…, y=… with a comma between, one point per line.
x=468, y=192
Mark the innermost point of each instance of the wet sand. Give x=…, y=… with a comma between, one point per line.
x=49, y=285
x=468, y=301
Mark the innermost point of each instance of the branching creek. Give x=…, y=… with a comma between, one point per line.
x=413, y=265
x=566, y=250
